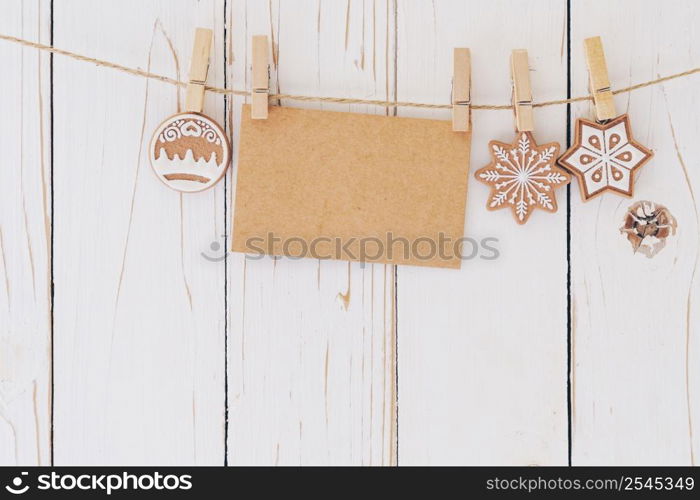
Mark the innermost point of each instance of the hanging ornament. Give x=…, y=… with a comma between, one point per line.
x=189, y=151
x=604, y=156
x=523, y=175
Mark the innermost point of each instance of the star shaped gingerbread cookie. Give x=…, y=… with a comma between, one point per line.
x=604, y=157
x=523, y=176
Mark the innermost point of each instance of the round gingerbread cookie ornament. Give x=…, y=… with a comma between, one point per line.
x=189, y=151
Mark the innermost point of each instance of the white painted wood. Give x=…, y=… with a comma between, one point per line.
x=482, y=350
x=139, y=317
x=311, y=344
x=25, y=232
x=635, y=325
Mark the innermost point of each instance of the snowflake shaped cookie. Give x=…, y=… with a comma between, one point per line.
x=523, y=176
x=604, y=157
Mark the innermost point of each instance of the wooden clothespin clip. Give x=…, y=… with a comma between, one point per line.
x=522, y=91
x=461, y=90
x=199, y=67
x=261, y=87
x=599, y=80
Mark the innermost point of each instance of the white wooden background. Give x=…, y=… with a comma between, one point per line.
x=121, y=344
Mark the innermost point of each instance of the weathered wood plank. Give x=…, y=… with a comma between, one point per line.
x=140, y=313
x=25, y=239
x=139, y=329
x=635, y=319
x=311, y=343
x=482, y=350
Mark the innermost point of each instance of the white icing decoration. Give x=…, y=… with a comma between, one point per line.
x=188, y=125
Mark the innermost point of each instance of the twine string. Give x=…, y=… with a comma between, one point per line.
x=341, y=100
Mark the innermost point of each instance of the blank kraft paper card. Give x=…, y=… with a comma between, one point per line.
x=333, y=185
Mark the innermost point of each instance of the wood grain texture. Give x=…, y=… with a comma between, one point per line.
x=482, y=350
x=25, y=238
x=139, y=318
x=147, y=313
x=636, y=349
x=312, y=343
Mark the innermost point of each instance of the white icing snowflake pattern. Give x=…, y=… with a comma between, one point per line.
x=604, y=157
x=523, y=176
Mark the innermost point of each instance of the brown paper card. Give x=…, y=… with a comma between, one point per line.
x=370, y=188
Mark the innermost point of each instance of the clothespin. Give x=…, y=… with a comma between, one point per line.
x=599, y=80
x=522, y=91
x=260, y=91
x=461, y=90
x=199, y=67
